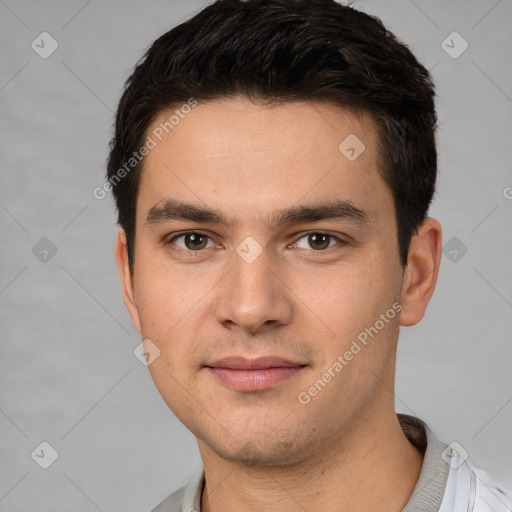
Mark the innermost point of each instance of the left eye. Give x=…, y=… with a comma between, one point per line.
x=318, y=241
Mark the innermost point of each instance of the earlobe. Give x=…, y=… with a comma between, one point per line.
x=422, y=270
x=123, y=267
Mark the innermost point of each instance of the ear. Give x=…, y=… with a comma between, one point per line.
x=123, y=266
x=420, y=276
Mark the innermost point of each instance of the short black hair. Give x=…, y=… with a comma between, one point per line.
x=287, y=50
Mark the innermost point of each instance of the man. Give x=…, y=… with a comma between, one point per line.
x=273, y=163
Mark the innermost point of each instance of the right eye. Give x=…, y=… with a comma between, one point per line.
x=192, y=241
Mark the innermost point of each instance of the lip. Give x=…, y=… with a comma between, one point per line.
x=260, y=363
x=242, y=374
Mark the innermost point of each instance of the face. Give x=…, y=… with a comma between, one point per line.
x=267, y=275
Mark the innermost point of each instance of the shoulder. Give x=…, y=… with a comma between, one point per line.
x=172, y=503
x=473, y=489
x=186, y=498
x=490, y=494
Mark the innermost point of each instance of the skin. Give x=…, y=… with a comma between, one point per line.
x=264, y=450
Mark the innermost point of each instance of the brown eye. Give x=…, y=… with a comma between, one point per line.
x=318, y=241
x=195, y=241
x=191, y=241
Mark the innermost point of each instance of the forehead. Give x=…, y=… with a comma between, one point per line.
x=245, y=157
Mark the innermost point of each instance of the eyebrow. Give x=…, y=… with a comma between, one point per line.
x=170, y=209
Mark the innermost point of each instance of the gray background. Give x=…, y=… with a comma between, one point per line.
x=68, y=372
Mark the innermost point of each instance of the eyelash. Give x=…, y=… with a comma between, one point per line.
x=341, y=241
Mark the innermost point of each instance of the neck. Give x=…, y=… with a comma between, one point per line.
x=373, y=466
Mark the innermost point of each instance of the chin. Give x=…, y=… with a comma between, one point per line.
x=261, y=450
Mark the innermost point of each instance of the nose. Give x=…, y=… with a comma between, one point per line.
x=254, y=296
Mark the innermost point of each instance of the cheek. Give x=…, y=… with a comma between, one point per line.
x=353, y=299
x=163, y=313
x=164, y=295
x=344, y=293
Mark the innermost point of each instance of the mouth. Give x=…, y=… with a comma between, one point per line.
x=259, y=374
